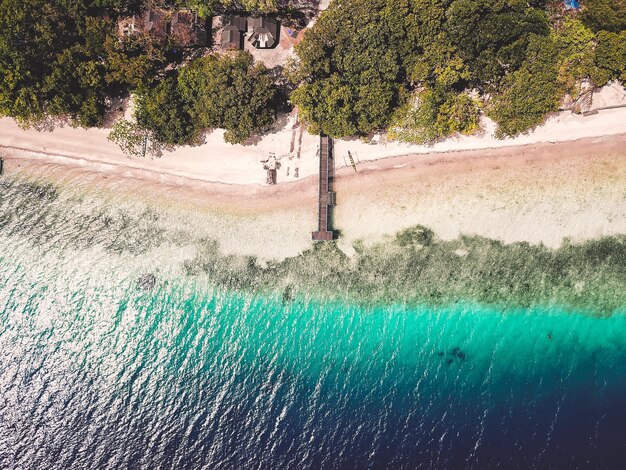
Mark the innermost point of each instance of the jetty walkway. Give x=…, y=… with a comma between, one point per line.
x=324, y=230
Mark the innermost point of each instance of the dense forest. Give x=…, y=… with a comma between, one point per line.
x=421, y=69
x=425, y=68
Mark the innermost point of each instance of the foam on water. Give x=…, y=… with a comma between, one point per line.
x=99, y=370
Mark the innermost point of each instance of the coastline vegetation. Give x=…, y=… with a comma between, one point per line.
x=415, y=267
x=410, y=66
x=203, y=96
x=420, y=69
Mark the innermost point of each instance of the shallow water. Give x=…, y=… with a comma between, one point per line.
x=99, y=370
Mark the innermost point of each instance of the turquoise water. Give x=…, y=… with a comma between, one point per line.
x=102, y=366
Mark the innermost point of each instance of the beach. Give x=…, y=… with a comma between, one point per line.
x=289, y=142
x=564, y=180
x=539, y=193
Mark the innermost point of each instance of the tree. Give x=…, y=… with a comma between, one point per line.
x=133, y=62
x=58, y=61
x=610, y=57
x=351, y=68
x=362, y=58
x=530, y=93
x=492, y=35
x=130, y=137
x=575, y=45
x=604, y=15
x=27, y=54
x=165, y=113
x=328, y=106
x=436, y=114
x=229, y=92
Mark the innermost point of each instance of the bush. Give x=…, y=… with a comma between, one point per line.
x=435, y=115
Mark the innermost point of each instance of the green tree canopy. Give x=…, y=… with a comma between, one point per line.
x=229, y=92
x=216, y=91
x=530, y=93
x=363, y=58
x=164, y=112
x=492, y=35
x=58, y=60
x=605, y=15
x=610, y=57
x=435, y=114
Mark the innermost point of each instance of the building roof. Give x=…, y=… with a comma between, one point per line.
x=265, y=32
x=238, y=22
x=232, y=33
x=189, y=29
x=184, y=26
x=231, y=38
x=155, y=23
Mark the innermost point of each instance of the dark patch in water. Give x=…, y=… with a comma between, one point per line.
x=288, y=294
x=456, y=354
x=146, y=281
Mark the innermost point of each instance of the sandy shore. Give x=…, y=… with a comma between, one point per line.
x=540, y=193
x=296, y=149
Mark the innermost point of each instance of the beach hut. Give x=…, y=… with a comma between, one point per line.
x=232, y=34
x=264, y=32
x=185, y=27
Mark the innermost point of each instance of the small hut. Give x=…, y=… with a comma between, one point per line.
x=233, y=31
x=265, y=32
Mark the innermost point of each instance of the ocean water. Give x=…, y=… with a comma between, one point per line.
x=112, y=355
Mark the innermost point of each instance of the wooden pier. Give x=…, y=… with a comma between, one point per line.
x=326, y=195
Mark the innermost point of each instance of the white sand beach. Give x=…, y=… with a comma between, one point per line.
x=538, y=193
x=296, y=149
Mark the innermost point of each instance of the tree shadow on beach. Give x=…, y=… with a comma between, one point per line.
x=49, y=123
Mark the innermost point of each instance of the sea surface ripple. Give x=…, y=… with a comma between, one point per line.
x=109, y=360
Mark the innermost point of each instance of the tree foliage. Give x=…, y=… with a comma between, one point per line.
x=353, y=62
x=360, y=62
x=130, y=137
x=435, y=114
x=58, y=60
x=366, y=65
x=229, y=92
x=605, y=15
x=216, y=91
x=165, y=113
x=38, y=40
x=610, y=57
x=530, y=92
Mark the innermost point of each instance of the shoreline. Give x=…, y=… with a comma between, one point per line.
x=159, y=175
x=221, y=163
x=537, y=193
